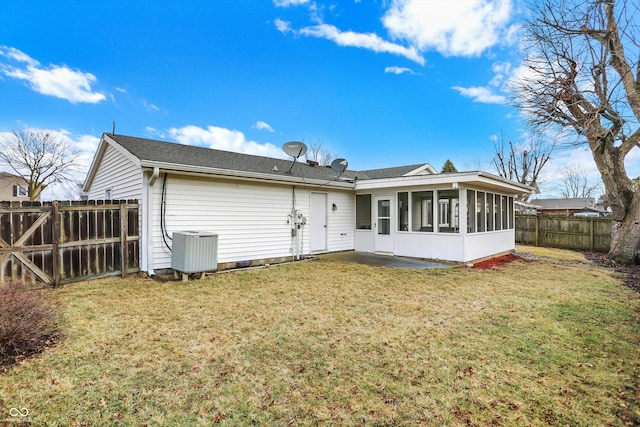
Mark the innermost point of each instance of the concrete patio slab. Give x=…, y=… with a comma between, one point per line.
x=388, y=261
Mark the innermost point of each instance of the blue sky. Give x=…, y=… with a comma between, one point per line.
x=380, y=83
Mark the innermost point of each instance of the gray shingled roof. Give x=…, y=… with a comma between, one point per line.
x=387, y=172
x=576, y=203
x=189, y=155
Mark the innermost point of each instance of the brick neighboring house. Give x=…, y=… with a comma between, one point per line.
x=13, y=188
x=564, y=206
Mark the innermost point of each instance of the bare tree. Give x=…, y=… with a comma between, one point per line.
x=40, y=158
x=577, y=184
x=521, y=162
x=317, y=152
x=582, y=74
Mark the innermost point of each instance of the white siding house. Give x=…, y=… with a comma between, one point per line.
x=250, y=202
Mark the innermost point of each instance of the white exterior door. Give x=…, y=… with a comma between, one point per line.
x=383, y=224
x=318, y=223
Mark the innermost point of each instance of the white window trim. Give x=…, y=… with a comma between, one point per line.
x=22, y=191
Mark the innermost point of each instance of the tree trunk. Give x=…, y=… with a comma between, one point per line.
x=625, y=235
x=622, y=194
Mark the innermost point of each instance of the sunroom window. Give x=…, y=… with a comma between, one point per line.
x=422, y=211
x=471, y=211
x=448, y=211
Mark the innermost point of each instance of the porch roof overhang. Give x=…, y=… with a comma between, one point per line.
x=211, y=172
x=481, y=180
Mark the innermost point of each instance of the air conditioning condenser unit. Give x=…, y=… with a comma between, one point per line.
x=194, y=251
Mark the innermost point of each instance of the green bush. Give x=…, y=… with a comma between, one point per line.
x=28, y=320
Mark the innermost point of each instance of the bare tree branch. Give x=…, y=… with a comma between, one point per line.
x=317, y=152
x=521, y=162
x=576, y=184
x=580, y=76
x=39, y=158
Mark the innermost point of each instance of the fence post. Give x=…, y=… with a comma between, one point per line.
x=124, y=251
x=591, y=242
x=537, y=230
x=55, y=240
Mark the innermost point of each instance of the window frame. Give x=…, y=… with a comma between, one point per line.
x=20, y=190
x=366, y=213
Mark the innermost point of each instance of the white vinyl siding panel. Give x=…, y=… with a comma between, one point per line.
x=119, y=174
x=250, y=219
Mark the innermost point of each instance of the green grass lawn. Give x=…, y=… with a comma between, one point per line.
x=547, y=341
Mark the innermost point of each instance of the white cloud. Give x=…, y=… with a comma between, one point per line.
x=287, y=3
x=150, y=130
x=282, y=26
x=17, y=55
x=398, y=70
x=504, y=74
x=223, y=139
x=454, y=28
x=263, y=126
x=481, y=94
x=59, y=81
x=149, y=106
x=368, y=41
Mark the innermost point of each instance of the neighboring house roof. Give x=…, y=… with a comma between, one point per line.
x=573, y=203
x=590, y=212
x=525, y=206
x=155, y=155
x=6, y=175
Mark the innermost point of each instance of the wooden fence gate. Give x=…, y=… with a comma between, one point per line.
x=60, y=242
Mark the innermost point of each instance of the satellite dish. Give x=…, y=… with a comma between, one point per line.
x=339, y=165
x=294, y=149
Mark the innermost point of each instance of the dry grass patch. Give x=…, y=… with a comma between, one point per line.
x=552, y=253
x=324, y=342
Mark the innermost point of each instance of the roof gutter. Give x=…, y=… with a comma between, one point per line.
x=244, y=175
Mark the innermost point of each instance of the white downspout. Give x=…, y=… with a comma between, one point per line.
x=149, y=220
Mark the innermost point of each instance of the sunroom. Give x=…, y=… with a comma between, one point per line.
x=459, y=217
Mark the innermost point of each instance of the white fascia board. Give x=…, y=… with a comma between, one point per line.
x=404, y=181
x=93, y=169
x=449, y=179
x=245, y=176
x=517, y=187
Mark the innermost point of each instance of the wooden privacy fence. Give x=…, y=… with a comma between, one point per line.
x=60, y=242
x=564, y=232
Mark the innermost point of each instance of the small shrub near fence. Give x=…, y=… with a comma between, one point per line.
x=564, y=232
x=28, y=320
